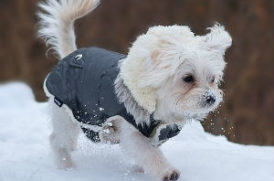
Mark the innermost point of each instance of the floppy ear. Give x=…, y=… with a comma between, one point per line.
x=163, y=59
x=157, y=69
x=218, y=39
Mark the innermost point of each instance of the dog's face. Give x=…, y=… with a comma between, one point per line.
x=192, y=92
x=184, y=70
x=175, y=74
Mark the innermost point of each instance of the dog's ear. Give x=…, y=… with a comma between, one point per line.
x=158, y=67
x=218, y=39
x=163, y=60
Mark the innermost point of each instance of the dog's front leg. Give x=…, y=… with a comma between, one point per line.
x=145, y=155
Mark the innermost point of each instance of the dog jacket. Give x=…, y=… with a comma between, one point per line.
x=84, y=81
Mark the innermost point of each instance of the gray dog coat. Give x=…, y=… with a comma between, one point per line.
x=84, y=81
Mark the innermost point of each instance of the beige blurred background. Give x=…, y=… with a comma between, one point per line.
x=247, y=114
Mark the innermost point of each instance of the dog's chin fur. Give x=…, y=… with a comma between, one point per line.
x=151, y=81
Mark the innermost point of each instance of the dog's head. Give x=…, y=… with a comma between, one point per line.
x=175, y=74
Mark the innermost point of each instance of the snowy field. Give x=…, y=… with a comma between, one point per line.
x=25, y=153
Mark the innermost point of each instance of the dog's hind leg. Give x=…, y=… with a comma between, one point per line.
x=63, y=139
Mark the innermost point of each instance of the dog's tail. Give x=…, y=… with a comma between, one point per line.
x=57, y=20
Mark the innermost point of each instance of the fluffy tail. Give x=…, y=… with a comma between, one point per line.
x=57, y=20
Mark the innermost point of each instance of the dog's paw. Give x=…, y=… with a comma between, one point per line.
x=109, y=135
x=171, y=175
x=66, y=164
x=110, y=132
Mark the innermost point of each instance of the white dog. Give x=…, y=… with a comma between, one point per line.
x=168, y=77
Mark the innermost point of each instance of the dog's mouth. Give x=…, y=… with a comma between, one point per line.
x=199, y=116
x=201, y=111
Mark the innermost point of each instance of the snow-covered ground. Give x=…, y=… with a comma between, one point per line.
x=25, y=153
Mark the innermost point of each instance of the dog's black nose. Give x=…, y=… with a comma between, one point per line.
x=210, y=100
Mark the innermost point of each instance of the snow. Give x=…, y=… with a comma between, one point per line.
x=25, y=153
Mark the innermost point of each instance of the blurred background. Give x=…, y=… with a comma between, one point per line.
x=247, y=114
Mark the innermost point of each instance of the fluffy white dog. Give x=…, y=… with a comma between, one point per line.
x=139, y=100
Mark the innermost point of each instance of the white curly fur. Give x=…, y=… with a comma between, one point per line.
x=170, y=46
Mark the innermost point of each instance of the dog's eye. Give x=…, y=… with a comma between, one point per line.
x=189, y=79
x=212, y=80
